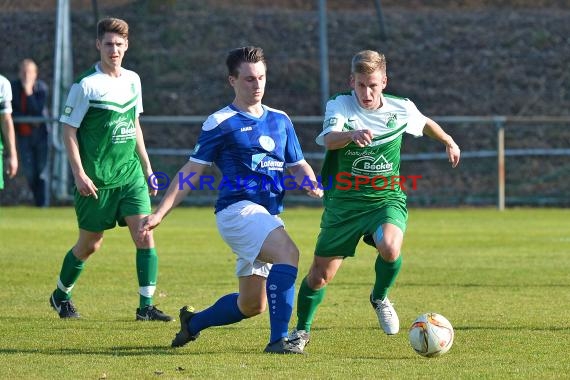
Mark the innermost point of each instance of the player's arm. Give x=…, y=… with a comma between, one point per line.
x=143, y=156
x=185, y=180
x=306, y=179
x=433, y=130
x=83, y=183
x=336, y=140
x=10, y=141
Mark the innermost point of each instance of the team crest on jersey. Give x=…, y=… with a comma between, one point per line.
x=391, y=120
x=67, y=110
x=333, y=121
x=267, y=143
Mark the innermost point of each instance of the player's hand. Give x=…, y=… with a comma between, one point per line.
x=314, y=191
x=453, y=153
x=12, y=166
x=148, y=223
x=86, y=187
x=152, y=190
x=361, y=137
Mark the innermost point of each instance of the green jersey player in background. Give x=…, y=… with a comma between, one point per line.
x=362, y=134
x=8, y=136
x=108, y=158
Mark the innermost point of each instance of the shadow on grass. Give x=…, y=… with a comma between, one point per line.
x=106, y=351
x=458, y=285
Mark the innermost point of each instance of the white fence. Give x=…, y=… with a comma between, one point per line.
x=506, y=161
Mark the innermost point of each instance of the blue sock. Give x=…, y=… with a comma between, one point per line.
x=224, y=312
x=280, y=296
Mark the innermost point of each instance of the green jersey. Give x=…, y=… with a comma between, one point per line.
x=362, y=178
x=105, y=109
x=5, y=103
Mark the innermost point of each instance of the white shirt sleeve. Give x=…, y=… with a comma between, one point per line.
x=335, y=117
x=5, y=95
x=416, y=120
x=76, y=106
x=139, y=106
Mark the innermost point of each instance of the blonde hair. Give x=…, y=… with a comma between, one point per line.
x=367, y=62
x=112, y=25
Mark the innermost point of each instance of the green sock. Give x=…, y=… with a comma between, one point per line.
x=386, y=274
x=70, y=271
x=308, y=301
x=147, y=273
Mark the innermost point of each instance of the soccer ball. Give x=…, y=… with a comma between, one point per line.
x=431, y=335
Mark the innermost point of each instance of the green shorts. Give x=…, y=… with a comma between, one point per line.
x=341, y=230
x=113, y=206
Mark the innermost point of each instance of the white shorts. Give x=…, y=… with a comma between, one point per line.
x=244, y=226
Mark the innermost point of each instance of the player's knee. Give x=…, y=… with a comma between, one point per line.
x=287, y=255
x=293, y=254
x=146, y=241
x=317, y=279
x=92, y=248
x=85, y=250
x=389, y=253
x=252, y=308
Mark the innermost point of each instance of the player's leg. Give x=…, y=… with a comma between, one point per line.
x=388, y=239
x=232, y=308
x=313, y=288
x=311, y=294
x=336, y=241
x=279, y=249
x=41, y=169
x=244, y=226
x=73, y=263
x=133, y=205
x=25, y=153
x=225, y=311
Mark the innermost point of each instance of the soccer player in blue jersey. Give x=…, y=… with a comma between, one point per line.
x=252, y=145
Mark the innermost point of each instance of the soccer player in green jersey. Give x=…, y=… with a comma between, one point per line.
x=108, y=158
x=362, y=134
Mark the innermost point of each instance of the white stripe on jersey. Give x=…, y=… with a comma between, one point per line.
x=385, y=123
x=102, y=91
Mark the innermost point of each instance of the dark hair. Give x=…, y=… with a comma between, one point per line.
x=112, y=25
x=236, y=57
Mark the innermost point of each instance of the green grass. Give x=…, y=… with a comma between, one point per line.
x=501, y=278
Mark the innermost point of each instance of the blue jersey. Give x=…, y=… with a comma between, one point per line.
x=251, y=153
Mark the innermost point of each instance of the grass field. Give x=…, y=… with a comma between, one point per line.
x=501, y=278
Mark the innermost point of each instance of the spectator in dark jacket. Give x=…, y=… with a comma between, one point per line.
x=29, y=99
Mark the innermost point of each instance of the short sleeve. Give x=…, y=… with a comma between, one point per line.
x=416, y=120
x=209, y=143
x=293, y=152
x=335, y=117
x=5, y=96
x=76, y=106
x=139, y=106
